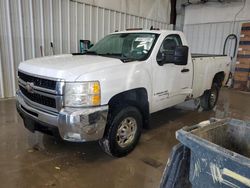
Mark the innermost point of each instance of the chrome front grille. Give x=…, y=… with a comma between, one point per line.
x=42, y=93
x=39, y=82
x=40, y=99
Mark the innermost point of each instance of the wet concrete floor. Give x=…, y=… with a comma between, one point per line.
x=36, y=160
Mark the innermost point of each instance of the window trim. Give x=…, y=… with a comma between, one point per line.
x=162, y=44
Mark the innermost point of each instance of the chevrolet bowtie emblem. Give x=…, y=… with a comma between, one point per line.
x=30, y=87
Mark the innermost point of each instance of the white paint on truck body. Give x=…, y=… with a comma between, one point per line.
x=116, y=77
x=204, y=70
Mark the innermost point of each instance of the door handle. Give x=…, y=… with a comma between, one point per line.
x=185, y=70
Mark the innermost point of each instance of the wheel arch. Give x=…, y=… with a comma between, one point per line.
x=219, y=78
x=137, y=97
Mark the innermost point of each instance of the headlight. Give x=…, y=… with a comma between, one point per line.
x=80, y=94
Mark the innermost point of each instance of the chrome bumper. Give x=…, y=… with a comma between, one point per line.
x=73, y=124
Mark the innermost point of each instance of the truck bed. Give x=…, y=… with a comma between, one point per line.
x=206, y=55
x=205, y=66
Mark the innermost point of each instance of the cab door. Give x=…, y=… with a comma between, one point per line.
x=171, y=83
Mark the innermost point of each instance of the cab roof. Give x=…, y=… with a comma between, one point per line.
x=148, y=31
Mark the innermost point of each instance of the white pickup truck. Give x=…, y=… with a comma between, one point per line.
x=108, y=93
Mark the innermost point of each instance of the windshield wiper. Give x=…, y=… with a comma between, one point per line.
x=104, y=54
x=91, y=52
x=111, y=54
x=118, y=56
x=86, y=52
x=123, y=58
x=127, y=59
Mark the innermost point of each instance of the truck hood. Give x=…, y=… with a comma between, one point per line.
x=67, y=67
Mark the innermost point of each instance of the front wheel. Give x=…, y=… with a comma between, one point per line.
x=123, y=132
x=210, y=97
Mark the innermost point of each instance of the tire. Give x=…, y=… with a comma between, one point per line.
x=123, y=132
x=210, y=97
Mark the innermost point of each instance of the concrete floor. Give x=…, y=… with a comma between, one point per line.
x=37, y=160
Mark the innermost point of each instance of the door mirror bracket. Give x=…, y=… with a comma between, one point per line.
x=161, y=58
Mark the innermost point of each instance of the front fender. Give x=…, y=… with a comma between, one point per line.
x=117, y=79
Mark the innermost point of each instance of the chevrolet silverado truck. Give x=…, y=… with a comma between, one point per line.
x=107, y=93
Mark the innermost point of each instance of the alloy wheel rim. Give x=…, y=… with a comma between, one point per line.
x=126, y=132
x=213, y=98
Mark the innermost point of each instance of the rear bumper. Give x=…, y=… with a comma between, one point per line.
x=73, y=124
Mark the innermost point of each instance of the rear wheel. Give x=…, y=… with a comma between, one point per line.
x=123, y=132
x=210, y=97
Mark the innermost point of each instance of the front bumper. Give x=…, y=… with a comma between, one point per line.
x=73, y=124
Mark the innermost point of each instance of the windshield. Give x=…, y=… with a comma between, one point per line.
x=125, y=46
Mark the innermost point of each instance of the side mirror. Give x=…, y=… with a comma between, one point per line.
x=178, y=56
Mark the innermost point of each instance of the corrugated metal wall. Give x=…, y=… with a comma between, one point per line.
x=209, y=38
x=27, y=28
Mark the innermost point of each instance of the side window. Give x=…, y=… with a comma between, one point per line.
x=167, y=49
x=169, y=44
